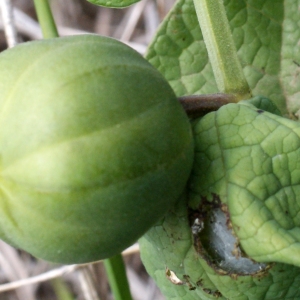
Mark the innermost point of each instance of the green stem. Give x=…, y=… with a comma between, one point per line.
x=221, y=49
x=117, y=278
x=45, y=18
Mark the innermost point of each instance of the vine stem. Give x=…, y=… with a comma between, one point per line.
x=45, y=18
x=221, y=48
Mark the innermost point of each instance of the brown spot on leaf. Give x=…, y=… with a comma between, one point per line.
x=211, y=228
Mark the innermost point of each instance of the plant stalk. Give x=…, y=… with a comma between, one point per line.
x=221, y=48
x=116, y=273
x=197, y=106
x=45, y=18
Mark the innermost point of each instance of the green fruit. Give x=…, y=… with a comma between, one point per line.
x=94, y=147
x=235, y=235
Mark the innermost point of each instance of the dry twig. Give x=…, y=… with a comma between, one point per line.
x=8, y=23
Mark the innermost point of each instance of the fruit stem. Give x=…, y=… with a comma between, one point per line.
x=116, y=273
x=198, y=105
x=46, y=19
x=221, y=48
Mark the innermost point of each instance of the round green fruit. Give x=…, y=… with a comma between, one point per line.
x=94, y=147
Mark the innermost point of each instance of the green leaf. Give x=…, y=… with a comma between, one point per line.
x=290, y=56
x=263, y=103
x=250, y=159
x=266, y=34
x=170, y=246
x=252, y=155
x=113, y=3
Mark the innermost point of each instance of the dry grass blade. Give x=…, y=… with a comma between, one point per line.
x=87, y=284
x=14, y=268
x=42, y=277
x=8, y=22
x=39, y=278
x=26, y=25
x=132, y=18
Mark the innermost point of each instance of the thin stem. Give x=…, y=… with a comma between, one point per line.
x=117, y=278
x=198, y=105
x=45, y=18
x=221, y=49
